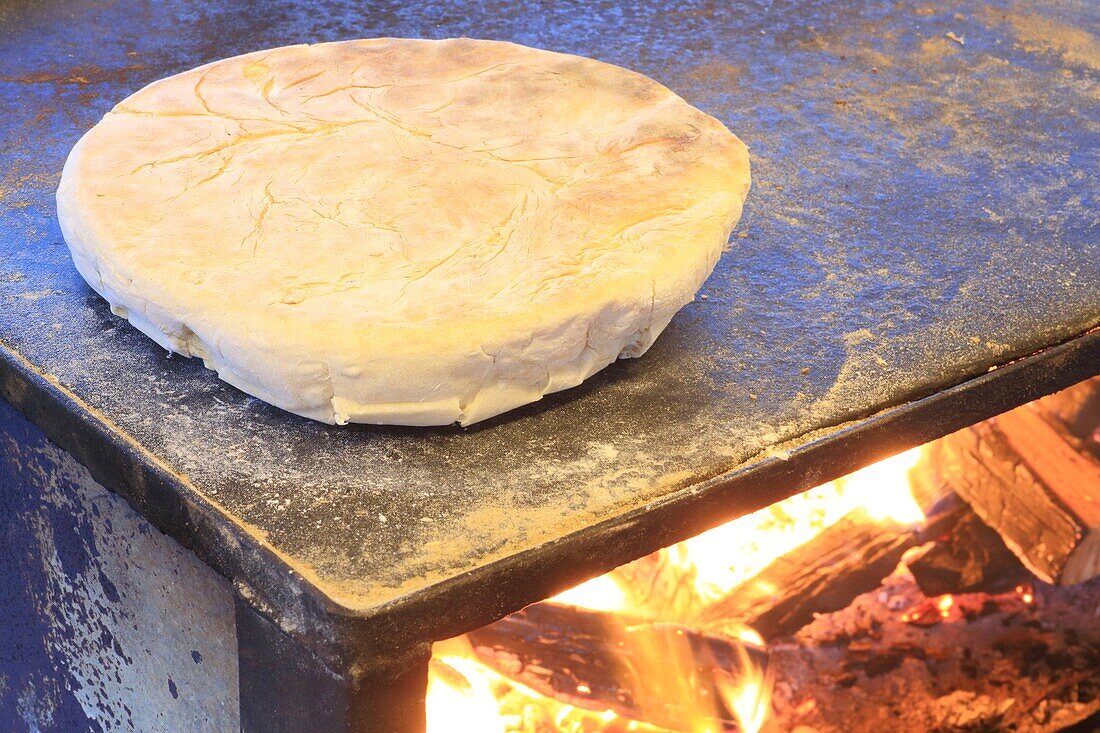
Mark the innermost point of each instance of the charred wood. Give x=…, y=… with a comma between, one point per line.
x=844, y=560
x=1030, y=479
x=962, y=554
x=968, y=558
x=662, y=674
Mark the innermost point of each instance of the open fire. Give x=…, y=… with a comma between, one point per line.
x=693, y=637
x=465, y=694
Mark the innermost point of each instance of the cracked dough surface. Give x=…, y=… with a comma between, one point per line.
x=402, y=231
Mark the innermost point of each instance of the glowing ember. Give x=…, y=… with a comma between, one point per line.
x=1026, y=594
x=805, y=708
x=464, y=695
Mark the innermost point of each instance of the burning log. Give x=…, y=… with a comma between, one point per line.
x=963, y=554
x=941, y=506
x=1076, y=414
x=1033, y=481
x=844, y=560
x=663, y=674
x=969, y=558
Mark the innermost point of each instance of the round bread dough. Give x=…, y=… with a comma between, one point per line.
x=402, y=231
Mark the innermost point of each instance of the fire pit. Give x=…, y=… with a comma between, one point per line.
x=885, y=583
x=918, y=254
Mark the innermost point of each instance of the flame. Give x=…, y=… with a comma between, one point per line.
x=748, y=696
x=747, y=701
x=460, y=698
x=883, y=489
x=750, y=636
x=735, y=552
x=602, y=593
x=464, y=695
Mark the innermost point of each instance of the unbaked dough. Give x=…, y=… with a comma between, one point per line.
x=402, y=231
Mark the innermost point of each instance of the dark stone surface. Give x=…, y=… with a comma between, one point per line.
x=286, y=689
x=922, y=211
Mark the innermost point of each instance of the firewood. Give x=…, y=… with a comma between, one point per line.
x=1075, y=412
x=661, y=674
x=844, y=560
x=941, y=506
x=962, y=554
x=968, y=558
x=1028, y=478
